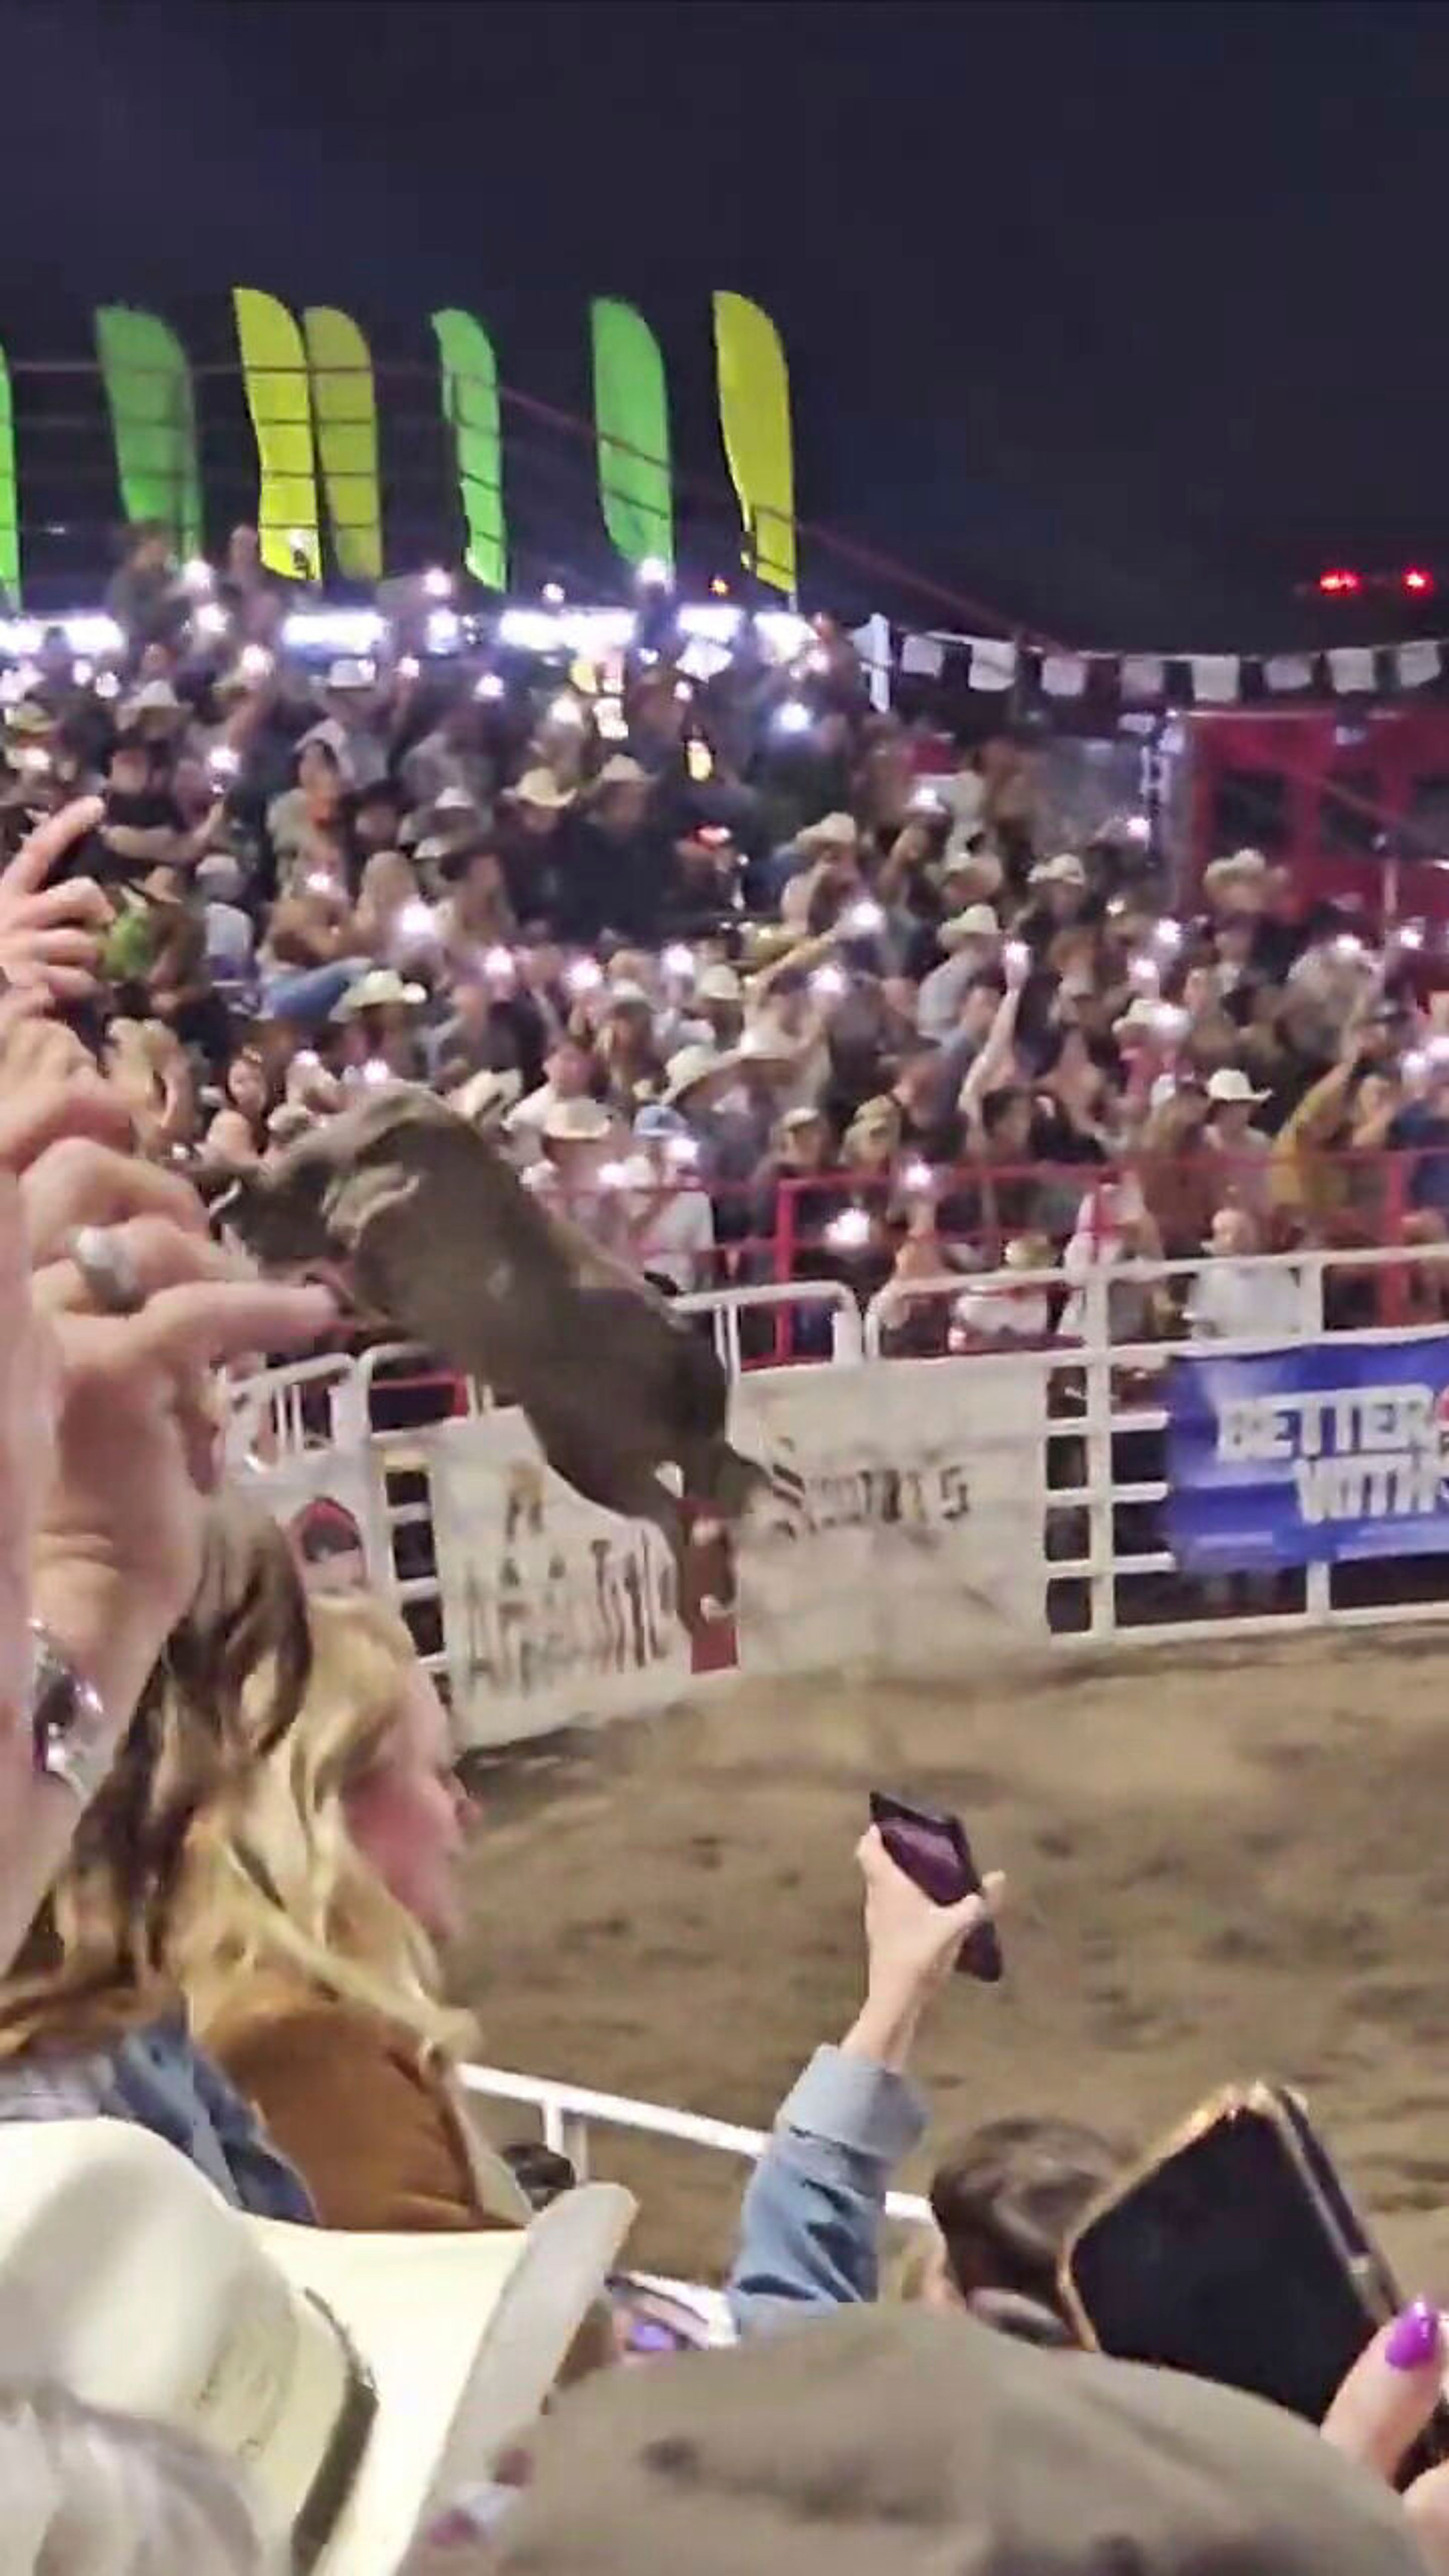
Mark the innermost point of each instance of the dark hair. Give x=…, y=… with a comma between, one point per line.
x=1009, y=2195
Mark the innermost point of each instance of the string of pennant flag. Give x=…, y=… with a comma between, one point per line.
x=994, y=664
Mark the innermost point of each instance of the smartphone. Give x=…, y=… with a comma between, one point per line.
x=934, y=1852
x=1236, y=2254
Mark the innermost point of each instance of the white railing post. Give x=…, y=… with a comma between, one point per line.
x=1097, y=1354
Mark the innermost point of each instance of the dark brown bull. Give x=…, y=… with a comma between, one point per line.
x=437, y=1235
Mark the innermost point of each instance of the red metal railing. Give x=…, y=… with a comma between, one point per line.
x=1314, y=1200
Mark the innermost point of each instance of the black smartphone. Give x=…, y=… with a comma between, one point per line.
x=1236, y=2254
x=934, y=1852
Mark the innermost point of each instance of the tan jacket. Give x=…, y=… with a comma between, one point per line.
x=378, y=2127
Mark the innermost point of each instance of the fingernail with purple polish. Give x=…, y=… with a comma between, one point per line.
x=1414, y=2341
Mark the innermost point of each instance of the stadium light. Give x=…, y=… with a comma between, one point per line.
x=1339, y=583
x=1418, y=582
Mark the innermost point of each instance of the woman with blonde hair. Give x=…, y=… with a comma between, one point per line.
x=90, y=2018
x=311, y=1898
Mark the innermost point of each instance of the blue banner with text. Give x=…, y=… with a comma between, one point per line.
x=1310, y=1454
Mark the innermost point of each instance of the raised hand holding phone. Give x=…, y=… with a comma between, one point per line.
x=912, y=1946
x=933, y=1850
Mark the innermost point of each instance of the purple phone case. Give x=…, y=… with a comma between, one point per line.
x=934, y=1852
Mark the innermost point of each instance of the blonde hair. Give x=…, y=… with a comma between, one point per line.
x=89, y=2493
x=272, y=1877
x=227, y=1687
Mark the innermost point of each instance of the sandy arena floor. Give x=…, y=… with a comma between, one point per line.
x=1231, y=1865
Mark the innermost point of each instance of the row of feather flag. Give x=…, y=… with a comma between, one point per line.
x=312, y=398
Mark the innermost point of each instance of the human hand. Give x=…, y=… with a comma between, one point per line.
x=50, y=935
x=117, y=1545
x=1382, y=2408
x=912, y=1945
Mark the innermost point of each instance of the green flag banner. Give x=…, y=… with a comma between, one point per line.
x=9, y=494
x=631, y=420
x=345, y=401
x=754, y=419
x=279, y=398
x=153, y=421
x=470, y=405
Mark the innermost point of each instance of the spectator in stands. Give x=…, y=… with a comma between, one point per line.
x=921, y=2443
x=1231, y=1133
x=671, y=1221
x=1238, y=1295
x=311, y=1900
x=814, y=2206
x=88, y=2019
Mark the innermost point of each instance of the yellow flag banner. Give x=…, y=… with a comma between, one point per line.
x=345, y=400
x=279, y=398
x=754, y=419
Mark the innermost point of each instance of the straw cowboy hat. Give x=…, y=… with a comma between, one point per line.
x=832, y=832
x=488, y=1094
x=978, y=921
x=540, y=788
x=355, y=2379
x=689, y=1068
x=719, y=983
x=577, y=1122
x=380, y=989
x=1065, y=869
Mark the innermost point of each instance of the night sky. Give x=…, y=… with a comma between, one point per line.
x=1119, y=319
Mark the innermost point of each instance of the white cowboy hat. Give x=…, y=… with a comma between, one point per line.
x=1065, y=869
x=375, y=991
x=577, y=1122
x=357, y=2380
x=1231, y=1083
x=350, y=675
x=691, y=1066
x=978, y=921
x=487, y=1094
x=719, y=984
x=540, y=787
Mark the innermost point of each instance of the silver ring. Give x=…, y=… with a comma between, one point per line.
x=107, y=1269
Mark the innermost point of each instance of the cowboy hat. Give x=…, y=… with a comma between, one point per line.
x=30, y=716
x=691, y=1066
x=487, y=1094
x=577, y=1122
x=719, y=983
x=978, y=921
x=832, y=832
x=621, y=771
x=1065, y=869
x=895, y=2439
x=540, y=788
x=379, y=988
x=153, y=698
x=349, y=675
x=353, y=2377
x=1231, y=1083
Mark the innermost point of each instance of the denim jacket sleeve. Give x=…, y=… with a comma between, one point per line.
x=810, y=2225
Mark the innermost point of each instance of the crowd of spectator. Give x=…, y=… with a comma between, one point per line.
x=754, y=980
x=269, y=2297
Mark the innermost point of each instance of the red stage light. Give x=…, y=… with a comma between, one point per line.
x=1418, y=581
x=1338, y=584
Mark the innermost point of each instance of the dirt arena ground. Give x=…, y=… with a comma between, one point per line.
x=1222, y=1865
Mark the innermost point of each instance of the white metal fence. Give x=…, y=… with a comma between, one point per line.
x=1109, y=1576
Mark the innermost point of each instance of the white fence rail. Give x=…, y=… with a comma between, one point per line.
x=568, y=2114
